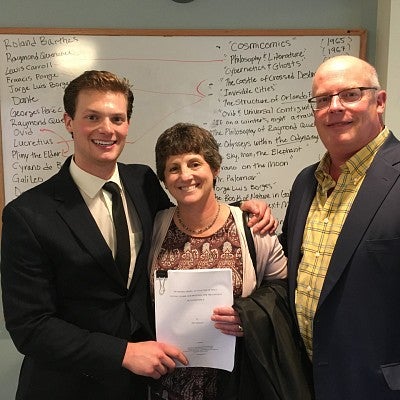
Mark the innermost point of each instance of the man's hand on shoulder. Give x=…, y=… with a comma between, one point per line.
x=260, y=216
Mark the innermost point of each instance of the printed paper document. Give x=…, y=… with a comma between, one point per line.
x=184, y=302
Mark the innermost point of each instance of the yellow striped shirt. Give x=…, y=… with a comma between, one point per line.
x=325, y=219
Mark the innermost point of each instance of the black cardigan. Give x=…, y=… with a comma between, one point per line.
x=270, y=360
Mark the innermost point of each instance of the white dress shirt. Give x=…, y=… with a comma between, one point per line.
x=99, y=202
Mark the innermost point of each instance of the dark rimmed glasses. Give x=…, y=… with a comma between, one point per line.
x=346, y=96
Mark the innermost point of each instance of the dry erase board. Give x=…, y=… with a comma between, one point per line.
x=249, y=88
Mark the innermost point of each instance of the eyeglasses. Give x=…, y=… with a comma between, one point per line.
x=346, y=96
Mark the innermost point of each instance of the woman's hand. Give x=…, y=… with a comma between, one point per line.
x=227, y=320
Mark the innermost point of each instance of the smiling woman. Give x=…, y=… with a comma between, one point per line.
x=203, y=233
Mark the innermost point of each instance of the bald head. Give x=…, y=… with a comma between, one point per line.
x=340, y=65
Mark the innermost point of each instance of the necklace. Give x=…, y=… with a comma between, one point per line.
x=198, y=231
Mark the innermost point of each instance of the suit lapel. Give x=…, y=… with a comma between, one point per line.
x=139, y=200
x=75, y=213
x=297, y=222
x=379, y=180
x=302, y=207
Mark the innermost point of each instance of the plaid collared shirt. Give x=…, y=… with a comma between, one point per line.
x=325, y=220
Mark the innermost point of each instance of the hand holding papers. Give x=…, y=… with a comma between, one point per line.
x=184, y=302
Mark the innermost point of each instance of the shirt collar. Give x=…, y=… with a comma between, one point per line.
x=356, y=165
x=89, y=183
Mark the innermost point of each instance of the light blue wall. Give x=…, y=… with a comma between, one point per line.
x=166, y=14
x=10, y=361
x=199, y=14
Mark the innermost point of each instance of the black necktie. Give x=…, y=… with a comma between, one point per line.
x=123, y=253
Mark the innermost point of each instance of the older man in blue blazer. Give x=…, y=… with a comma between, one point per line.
x=341, y=234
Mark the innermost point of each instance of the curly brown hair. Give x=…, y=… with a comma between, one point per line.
x=184, y=138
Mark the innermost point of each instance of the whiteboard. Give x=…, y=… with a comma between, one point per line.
x=249, y=88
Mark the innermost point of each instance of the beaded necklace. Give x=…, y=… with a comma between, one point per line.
x=198, y=231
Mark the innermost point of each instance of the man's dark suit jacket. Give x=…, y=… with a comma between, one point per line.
x=356, y=333
x=65, y=304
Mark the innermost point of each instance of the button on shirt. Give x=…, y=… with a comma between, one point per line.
x=325, y=220
x=99, y=202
